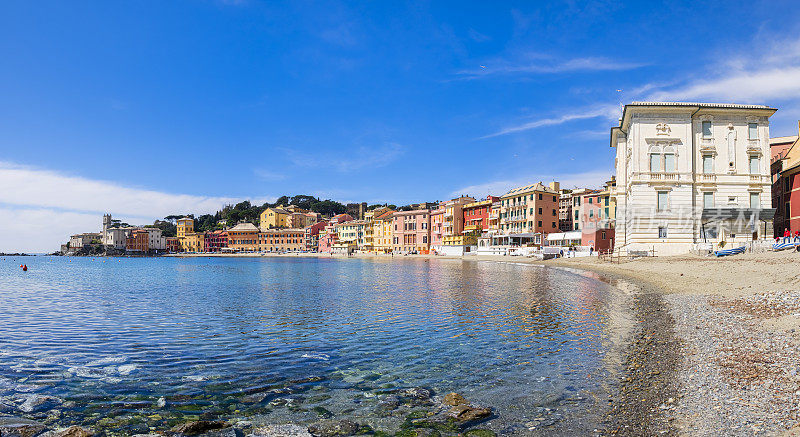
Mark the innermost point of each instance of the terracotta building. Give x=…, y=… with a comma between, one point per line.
x=243, y=238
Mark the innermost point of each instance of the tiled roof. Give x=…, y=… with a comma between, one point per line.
x=527, y=188
x=244, y=227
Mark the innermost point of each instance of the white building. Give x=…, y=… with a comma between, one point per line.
x=155, y=240
x=691, y=173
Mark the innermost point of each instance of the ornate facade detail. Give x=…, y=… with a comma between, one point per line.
x=663, y=129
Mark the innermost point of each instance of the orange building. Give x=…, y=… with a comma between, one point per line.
x=137, y=241
x=282, y=240
x=243, y=238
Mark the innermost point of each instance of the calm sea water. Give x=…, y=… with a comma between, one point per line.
x=128, y=345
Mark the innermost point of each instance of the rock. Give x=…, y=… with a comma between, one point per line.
x=454, y=399
x=322, y=412
x=330, y=428
x=419, y=393
x=198, y=427
x=280, y=431
x=307, y=380
x=386, y=405
x=225, y=432
x=439, y=422
x=34, y=403
x=73, y=431
x=468, y=413
x=480, y=433
x=18, y=427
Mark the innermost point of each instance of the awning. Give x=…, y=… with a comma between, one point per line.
x=746, y=214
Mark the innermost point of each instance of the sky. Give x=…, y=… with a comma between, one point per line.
x=150, y=108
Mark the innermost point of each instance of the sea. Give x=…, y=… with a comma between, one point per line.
x=137, y=345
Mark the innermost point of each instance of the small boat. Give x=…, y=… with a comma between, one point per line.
x=783, y=246
x=727, y=252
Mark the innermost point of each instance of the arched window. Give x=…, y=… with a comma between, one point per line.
x=655, y=159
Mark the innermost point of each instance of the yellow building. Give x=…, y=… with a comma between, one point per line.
x=370, y=228
x=282, y=240
x=193, y=242
x=382, y=231
x=243, y=238
x=185, y=226
x=274, y=218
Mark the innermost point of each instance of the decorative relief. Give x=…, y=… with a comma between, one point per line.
x=663, y=129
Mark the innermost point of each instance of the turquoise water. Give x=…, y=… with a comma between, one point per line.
x=131, y=344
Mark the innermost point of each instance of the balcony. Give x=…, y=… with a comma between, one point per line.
x=753, y=146
x=663, y=177
x=707, y=178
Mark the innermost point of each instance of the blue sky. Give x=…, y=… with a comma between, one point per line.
x=146, y=108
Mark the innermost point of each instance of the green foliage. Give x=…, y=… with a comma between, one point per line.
x=247, y=212
x=168, y=229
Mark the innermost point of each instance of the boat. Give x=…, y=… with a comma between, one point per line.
x=727, y=252
x=784, y=246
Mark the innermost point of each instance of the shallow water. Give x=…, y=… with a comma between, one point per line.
x=134, y=344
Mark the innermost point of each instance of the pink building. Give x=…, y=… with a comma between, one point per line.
x=312, y=235
x=411, y=231
x=328, y=236
x=437, y=223
x=596, y=225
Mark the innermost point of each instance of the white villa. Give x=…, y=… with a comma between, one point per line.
x=691, y=175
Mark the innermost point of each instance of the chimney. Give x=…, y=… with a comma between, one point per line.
x=555, y=186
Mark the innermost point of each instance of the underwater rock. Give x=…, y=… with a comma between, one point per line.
x=198, y=427
x=419, y=393
x=73, y=431
x=280, y=431
x=35, y=403
x=16, y=426
x=468, y=413
x=453, y=399
x=307, y=380
x=331, y=428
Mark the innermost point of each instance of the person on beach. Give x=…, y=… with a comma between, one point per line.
x=786, y=235
x=796, y=236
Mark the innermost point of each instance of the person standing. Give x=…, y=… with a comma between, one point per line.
x=786, y=235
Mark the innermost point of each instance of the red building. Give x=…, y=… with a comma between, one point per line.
x=311, y=239
x=784, y=163
x=602, y=240
x=476, y=214
x=215, y=241
x=173, y=245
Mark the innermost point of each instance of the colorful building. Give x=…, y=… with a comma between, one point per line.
x=437, y=227
x=137, y=241
x=243, y=238
x=173, y=245
x=272, y=218
x=382, y=232
x=215, y=241
x=529, y=210
x=784, y=157
x=476, y=214
x=282, y=240
x=411, y=231
x=312, y=234
x=328, y=236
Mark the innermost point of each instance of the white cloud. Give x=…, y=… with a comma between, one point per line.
x=592, y=179
x=768, y=72
x=743, y=86
x=610, y=112
x=268, y=175
x=537, y=64
x=39, y=208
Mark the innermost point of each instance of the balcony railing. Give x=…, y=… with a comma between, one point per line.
x=708, y=177
x=662, y=176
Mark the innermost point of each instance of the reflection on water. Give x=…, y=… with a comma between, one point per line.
x=135, y=344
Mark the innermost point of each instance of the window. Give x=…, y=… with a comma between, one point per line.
x=706, y=129
x=607, y=213
x=591, y=213
x=540, y=210
x=554, y=212
x=787, y=211
x=590, y=200
x=754, y=164
x=662, y=232
x=708, y=199
x=787, y=184
x=655, y=162
x=603, y=235
x=669, y=163
x=731, y=200
x=554, y=199
x=752, y=131
x=662, y=200
x=708, y=164
x=606, y=201
x=554, y=224
x=755, y=201
x=540, y=223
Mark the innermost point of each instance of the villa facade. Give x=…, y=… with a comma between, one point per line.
x=691, y=174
